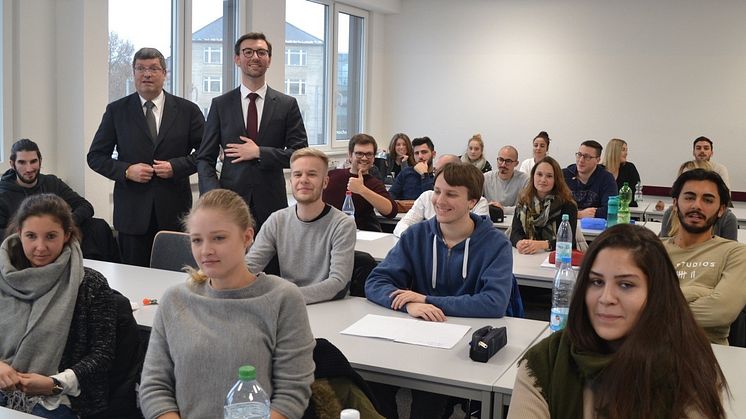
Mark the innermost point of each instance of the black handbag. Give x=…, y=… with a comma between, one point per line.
x=486, y=341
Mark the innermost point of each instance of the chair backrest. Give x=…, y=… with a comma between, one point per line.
x=172, y=251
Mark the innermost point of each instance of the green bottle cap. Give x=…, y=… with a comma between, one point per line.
x=246, y=373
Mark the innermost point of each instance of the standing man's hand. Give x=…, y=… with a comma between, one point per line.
x=242, y=152
x=163, y=169
x=139, y=172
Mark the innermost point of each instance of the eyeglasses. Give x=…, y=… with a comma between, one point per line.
x=360, y=155
x=142, y=70
x=585, y=157
x=261, y=53
x=501, y=160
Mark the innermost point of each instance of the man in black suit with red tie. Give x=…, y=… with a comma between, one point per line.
x=258, y=129
x=156, y=136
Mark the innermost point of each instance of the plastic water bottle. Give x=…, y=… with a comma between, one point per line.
x=625, y=197
x=638, y=193
x=564, y=240
x=348, y=207
x=349, y=414
x=564, y=283
x=247, y=399
x=611, y=211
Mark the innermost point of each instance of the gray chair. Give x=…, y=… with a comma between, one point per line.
x=172, y=251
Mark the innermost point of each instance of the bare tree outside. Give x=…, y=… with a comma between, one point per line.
x=121, y=52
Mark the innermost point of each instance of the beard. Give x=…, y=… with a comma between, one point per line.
x=27, y=181
x=709, y=222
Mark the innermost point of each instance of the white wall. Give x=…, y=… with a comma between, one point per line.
x=657, y=74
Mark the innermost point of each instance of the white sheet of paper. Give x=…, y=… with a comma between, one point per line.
x=370, y=235
x=412, y=331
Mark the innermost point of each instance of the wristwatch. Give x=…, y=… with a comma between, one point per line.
x=56, y=386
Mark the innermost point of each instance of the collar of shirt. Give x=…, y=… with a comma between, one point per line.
x=262, y=92
x=158, y=109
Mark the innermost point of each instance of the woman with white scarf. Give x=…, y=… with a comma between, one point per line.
x=57, y=318
x=475, y=154
x=539, y=209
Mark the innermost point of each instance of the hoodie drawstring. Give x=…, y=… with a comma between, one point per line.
x=464, y=267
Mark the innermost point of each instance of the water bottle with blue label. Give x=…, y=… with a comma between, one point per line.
x=564, y=283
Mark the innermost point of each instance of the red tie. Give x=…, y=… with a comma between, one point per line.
x=251, y=117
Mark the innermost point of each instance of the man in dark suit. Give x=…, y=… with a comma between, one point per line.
x=258, y=129
x=156, y=136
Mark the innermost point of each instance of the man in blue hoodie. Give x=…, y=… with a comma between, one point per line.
x=591, y=184
x=454, y=264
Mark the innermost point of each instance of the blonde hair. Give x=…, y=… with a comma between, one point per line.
x=613, y=156
x=232, y=206
x=311, y=152
x=478, y=139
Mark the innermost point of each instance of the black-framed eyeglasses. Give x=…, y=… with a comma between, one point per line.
x=360, y=155
x=142, y=70
x=261, y=53
x=585, y=157
x=501, y=160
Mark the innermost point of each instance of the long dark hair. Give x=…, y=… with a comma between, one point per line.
x=665, y=363
x=38, y=206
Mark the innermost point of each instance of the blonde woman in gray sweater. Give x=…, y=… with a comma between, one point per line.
x=224, y=317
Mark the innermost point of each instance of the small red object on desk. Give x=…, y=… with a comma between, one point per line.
x=577, y=257
x=149, y=301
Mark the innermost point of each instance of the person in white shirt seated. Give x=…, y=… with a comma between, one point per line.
x=423, y=209
x=503, y=185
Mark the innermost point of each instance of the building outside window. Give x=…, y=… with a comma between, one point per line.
x=295, y=87
x=295, y=57
x=212, y=84
x=213, y=55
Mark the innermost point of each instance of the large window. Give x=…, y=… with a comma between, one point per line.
x=194, y=50
x=126, y=36
x=327, y=81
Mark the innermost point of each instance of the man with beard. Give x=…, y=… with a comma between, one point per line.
x=591, y=184
x=711, y=269
x=368, y=192
x=24, y=179
x=502, y=186
x=703, y=150
x=326, y=267
x=413, y=181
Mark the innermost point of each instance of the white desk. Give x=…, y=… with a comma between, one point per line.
x=529, y=272
x=377, y=248
x=732, y=361
x=6, y=413
x=136, y=283
x=444, y=371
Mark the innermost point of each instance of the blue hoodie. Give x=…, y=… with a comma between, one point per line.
x=473, y=279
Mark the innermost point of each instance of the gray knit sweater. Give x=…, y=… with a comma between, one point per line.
x=201, y=336
x=317, y=256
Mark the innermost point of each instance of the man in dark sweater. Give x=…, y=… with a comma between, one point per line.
x=591, y=184
x=368, y=192
x=24, y=179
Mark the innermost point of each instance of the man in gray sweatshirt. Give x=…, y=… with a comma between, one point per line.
x=313, y=241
